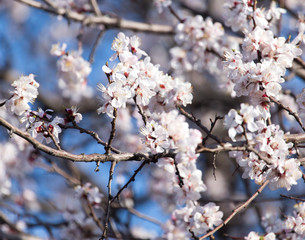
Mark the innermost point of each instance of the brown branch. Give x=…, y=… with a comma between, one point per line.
x=112, y=133
x=96, y=43
x=143, y=216
x=294, y=114
x=140, y=111
x=199, y=124
x=95, y=7
x=109, y=22
x=132, y=179
x=237, y=210
x=111, y=170
x=293, y=198
x=213, y=123
x=175, y=14
x=89, y=132
x=94, y=157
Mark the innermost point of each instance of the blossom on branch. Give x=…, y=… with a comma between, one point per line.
x=25, y=92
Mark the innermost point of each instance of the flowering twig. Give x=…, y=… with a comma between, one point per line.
x=94, y=157
x=237, y=210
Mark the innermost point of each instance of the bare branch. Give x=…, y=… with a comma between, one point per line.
x=109, y=22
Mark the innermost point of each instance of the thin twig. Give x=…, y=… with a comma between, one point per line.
x=143, y=216
x=140, y=111
x=177, y=172
x=112, y=133
x=292, y=198
x=294, y=114
x=1, y=104
x=213, y=123
x=111, y=170
x=235, y=211
x=96, y=43
x=199, y=124
x=95, y=7
x=132, y=179
x=91, y=133
x=175, y=13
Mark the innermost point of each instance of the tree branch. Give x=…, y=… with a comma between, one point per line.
x=109, y=22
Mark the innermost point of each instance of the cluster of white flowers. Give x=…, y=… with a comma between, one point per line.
x=256, y=236
x=287, y=227
x=140, y=80
x=192, y=219
x=73, y=71
x=25, y=92
x=90, y=193
x=198, y=40
x=258, y=72
x=158, y=94
x=238, y=13
x=41, y=126
x=274, y=161
x=200, y=45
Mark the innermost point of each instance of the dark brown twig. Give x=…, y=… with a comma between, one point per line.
x=292, y=198
x=294, y=114
x=199, y=124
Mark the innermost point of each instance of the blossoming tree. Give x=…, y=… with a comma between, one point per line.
x=82, y=155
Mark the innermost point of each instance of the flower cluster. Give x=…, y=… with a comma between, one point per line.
x=90, y=193
x=272, y=156
x=192, y=219
x=258, y=72
x=199, y=41
x=73, y=71
x=239, y=12
x=133, y=79
x=256, y=236
x=287, y=227
x=259, y=69
x=25, y=92
x=41, y=126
